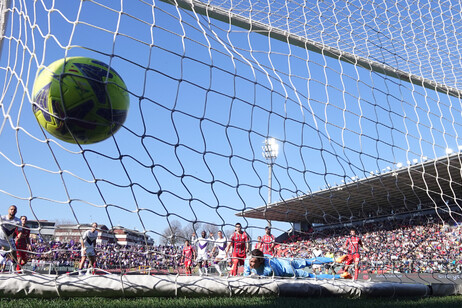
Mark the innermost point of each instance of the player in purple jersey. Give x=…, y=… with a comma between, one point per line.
x=202, y=249
x=8, y=225
x=220, y=248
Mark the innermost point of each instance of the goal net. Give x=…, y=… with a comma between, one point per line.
x=311, y=117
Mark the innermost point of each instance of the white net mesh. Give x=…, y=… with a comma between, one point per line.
x=418, y=37
x=361, y=97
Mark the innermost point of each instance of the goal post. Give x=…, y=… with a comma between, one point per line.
x=4, y=5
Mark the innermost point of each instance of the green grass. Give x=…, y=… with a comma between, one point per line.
x=285, y=302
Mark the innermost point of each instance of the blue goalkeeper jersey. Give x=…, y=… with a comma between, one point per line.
x=285, y=267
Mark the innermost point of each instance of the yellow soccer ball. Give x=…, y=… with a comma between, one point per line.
x=80, y=100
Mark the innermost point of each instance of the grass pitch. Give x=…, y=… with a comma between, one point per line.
x=286, y=302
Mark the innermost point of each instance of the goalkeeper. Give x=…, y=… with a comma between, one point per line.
x=266, y=265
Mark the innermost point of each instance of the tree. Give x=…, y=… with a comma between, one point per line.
x=210, y=228
x=228, y=232
x=193, y=228
x=173, y=234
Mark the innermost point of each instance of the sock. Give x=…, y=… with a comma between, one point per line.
x=356, y=273
x=234, y=268
x=217, y=266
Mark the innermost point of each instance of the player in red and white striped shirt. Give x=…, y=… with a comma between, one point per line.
x=240, y=243
x=22, y=241
x=352, y=244
x=267, y=242
x=188, y=255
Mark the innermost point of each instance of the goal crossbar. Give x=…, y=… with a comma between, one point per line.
x=240, y=21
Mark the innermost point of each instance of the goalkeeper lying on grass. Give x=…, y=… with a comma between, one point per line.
x=266, y=265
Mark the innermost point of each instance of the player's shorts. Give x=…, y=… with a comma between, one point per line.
x=89, y=252
x=201, y=258
x=221, y=254
x=3, y=258
x=187, y=263
x=22, y=254
x=238, y=259
x=8, y=244
x=352, y=258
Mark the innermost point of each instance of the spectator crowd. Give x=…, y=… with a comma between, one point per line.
x=109, y=256
x=422, y=245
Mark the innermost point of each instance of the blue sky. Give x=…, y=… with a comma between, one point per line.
x=203, y=99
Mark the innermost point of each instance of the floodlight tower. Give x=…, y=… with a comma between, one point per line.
x=270, y=153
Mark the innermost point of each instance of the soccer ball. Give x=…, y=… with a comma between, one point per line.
x=80, y=100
